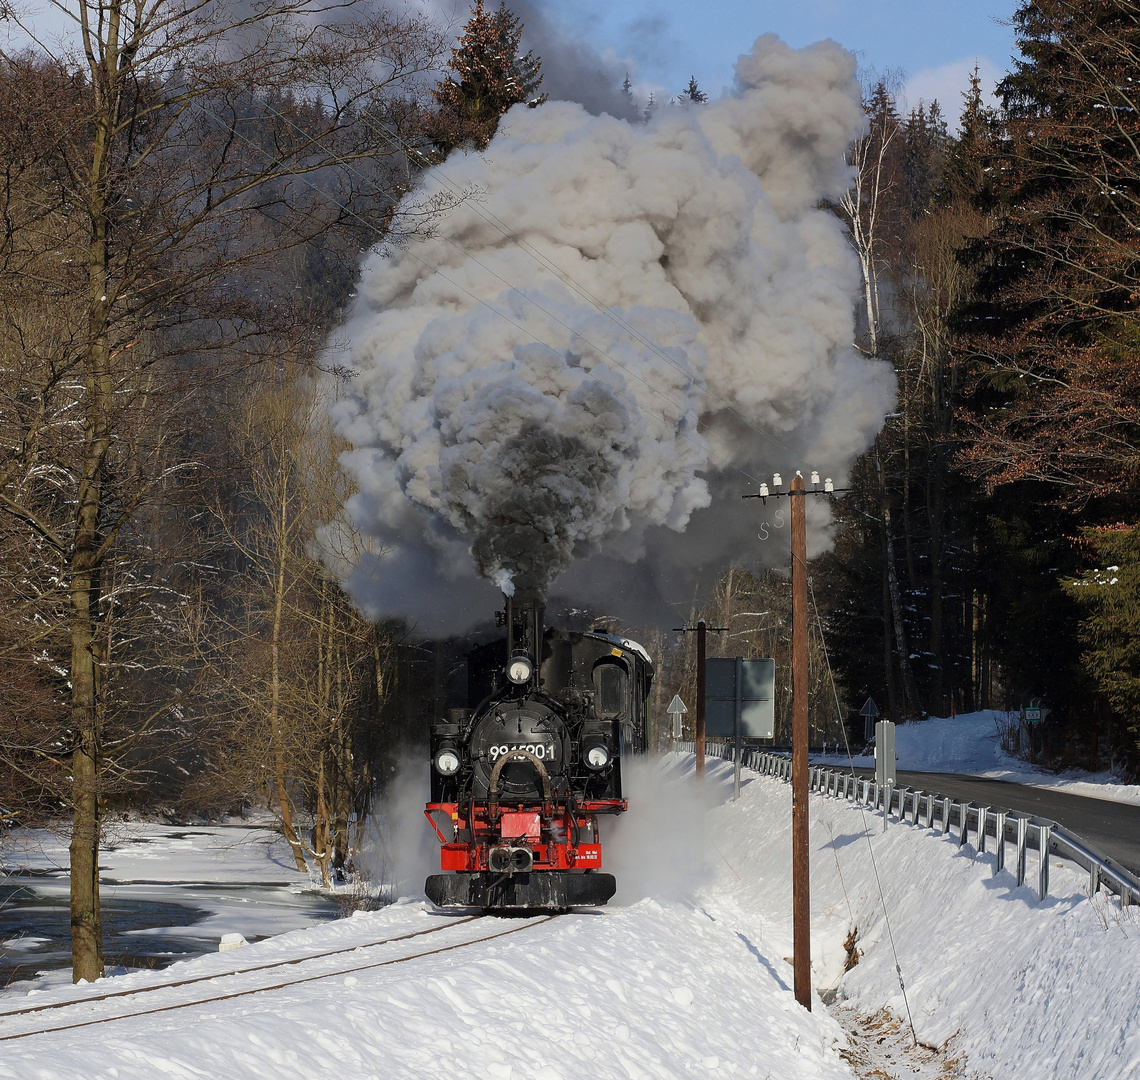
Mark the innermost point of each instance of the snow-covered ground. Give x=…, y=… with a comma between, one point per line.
x=970, y=743
x=686, y=976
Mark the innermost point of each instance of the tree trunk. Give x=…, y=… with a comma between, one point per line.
x=86, y=923
x=888, y=642
x=934, y=512
x=275, y=720
x=910, y=693
x=321, y=827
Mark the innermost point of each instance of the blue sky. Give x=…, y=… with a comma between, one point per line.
x=935, y=42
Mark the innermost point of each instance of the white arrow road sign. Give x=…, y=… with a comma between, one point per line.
x=676, y=710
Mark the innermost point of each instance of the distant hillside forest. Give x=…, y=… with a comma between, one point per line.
x=183, y=222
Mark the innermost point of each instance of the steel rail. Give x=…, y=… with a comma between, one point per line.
x=225, y=974
x=274, y=986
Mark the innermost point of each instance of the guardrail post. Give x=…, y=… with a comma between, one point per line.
x=1022, y=830
x=999, y=831
x=983, y=821
x=964, y=821
x=1043, y=833
x=888, y=798
x=945, y=815
x=1094, y=879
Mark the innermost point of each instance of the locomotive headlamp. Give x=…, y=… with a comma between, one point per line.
x=597, y=757
x=520, y=669
x=447, y=762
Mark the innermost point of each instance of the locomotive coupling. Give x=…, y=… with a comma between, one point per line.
x=507, y=860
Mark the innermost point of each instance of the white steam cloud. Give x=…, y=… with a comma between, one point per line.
x=531, y=378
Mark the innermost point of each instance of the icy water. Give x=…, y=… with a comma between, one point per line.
x=152, y=921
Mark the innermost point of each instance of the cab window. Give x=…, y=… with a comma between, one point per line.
x=611, y=685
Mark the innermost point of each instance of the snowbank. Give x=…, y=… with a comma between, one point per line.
x=698, y=984
x=1003, y=979
x=970, y=744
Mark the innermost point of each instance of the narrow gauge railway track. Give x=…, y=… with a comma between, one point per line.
x=77, y=1002
x=48, y=1006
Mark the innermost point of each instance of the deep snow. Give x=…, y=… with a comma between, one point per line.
x=696, y=984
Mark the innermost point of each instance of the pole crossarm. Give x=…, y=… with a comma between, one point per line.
x=788, y=494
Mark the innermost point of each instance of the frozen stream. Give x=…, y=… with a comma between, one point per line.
x=168, y=893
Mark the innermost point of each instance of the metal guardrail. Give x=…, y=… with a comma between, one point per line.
x=955, y=818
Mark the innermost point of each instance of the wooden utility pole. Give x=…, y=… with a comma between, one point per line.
x=701, y=630
x=801, y=927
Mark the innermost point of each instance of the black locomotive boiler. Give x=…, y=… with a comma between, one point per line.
x=521, y=777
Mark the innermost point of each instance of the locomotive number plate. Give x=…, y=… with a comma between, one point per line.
x=542, y=751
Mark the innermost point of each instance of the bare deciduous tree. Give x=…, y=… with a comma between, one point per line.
x=150, y=183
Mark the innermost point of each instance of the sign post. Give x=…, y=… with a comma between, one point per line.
x=885, y=774
x=739, y=673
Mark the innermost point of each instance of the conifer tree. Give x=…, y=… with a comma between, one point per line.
x=1109, y=597
x=1056, y=327
x=693, y=92
x=490, y=76
x=1047, y=349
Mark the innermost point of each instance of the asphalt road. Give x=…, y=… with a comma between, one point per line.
x=1113, y=828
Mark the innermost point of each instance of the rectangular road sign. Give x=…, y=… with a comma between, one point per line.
x=757, y=698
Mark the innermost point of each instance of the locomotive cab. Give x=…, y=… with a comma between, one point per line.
x=521, y=776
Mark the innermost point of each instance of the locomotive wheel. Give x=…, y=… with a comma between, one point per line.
x=538, y=890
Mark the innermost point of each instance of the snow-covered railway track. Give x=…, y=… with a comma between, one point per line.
x=95, y=1000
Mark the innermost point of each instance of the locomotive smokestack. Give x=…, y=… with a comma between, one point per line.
x=525, y=617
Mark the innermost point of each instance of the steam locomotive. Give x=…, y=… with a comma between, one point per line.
x=520, y=778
